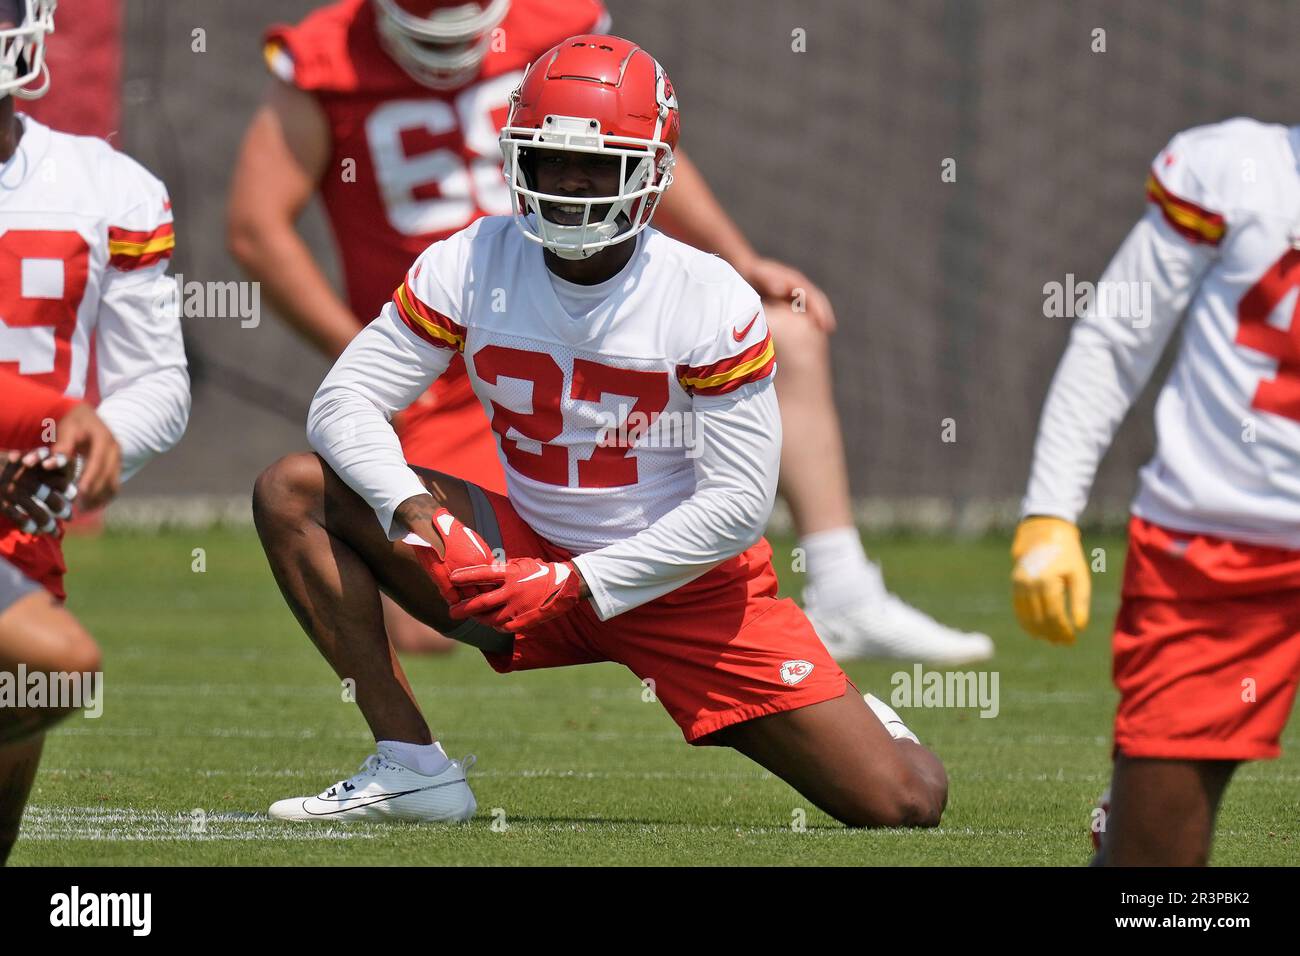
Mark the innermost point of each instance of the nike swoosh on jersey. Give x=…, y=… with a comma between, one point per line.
x=739, y=334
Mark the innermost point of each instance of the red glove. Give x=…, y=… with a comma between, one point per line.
x=463, y=548
x=525, y=592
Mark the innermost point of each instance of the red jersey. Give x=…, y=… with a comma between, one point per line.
x=410, y=165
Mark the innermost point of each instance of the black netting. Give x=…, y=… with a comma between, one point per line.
x=829, y=158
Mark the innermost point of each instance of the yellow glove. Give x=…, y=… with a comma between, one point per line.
x=1049, y=560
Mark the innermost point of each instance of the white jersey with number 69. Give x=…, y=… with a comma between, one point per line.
x=1218, y=253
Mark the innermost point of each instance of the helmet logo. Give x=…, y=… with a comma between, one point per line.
x=664, y=91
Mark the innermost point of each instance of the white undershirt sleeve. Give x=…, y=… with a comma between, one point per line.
x=384, y=369
x=1108, y=361
x=140, y=355
x=739, y=444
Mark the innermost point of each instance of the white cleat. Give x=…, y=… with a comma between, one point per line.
x=385, y=791
x=891, y=629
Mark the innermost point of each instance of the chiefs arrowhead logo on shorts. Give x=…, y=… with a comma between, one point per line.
x=792, y=672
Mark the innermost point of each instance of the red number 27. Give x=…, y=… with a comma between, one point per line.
x=609, y=465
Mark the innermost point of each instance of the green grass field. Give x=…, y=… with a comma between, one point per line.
x=216, y=701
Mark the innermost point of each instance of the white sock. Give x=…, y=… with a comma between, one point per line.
x=838, y=570
x=427, y=759
x=889, y=717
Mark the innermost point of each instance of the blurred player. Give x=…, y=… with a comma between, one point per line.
x=85, y=236
x=574, y=320
x=1207, y=641
x=390, y=109
x=36, y=631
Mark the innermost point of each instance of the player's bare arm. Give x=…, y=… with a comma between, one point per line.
x=82, y=434
x=281, y=161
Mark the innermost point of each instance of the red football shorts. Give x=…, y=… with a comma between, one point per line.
x=447, y=430
x=38, y=556
x=720, y=650
x=1206, y=645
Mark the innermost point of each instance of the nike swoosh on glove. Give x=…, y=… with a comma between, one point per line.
x=525, y=592
x=463, y=548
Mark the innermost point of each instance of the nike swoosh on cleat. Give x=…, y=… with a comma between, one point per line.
x=380, y=799
x=739, y=334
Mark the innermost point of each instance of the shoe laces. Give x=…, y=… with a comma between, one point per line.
x=369, y=767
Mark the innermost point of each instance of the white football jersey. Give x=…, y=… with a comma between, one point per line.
x=555, y=388
x=637, y=428
x=85, y=238
x=1219, y=253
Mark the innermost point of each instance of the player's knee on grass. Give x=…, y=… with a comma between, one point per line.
x=913, y=799
x=932, y=778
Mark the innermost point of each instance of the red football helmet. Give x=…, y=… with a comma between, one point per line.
x=441, y=43
x=593, y=94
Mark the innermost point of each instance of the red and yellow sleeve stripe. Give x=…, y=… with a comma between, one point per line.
x=279, y=58
x=718, y=378
x=133, y=249
x=271, y=50
x=429, y=324
x=1194, y=223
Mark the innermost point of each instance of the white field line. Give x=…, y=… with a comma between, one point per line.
x=475, y=774
x=130, y=824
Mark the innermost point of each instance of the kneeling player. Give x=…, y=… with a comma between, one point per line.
x=584, y=333
x=36, y=631
x=1207, y=641
x=85, y=235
